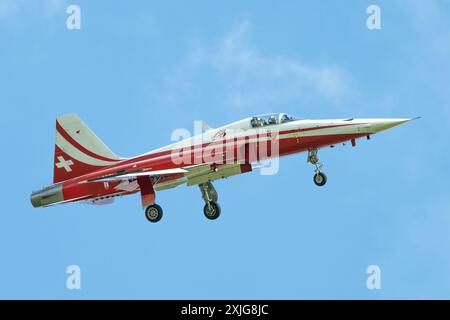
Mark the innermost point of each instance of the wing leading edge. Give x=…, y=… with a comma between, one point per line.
x=135, y=175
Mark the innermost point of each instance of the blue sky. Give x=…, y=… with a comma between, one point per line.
x=137, y=70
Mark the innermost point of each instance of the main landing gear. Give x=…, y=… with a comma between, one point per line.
x=209, y=195
x=320, y=179
x=153, y=213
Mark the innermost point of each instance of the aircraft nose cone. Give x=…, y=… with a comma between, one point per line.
x=384, y=124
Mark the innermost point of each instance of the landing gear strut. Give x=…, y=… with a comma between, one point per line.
x=153, y=212
x=320, y=179
x=209, y=195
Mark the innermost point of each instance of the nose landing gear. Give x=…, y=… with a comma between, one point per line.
x=209, y=194
x=320, y=179
x=211, y=210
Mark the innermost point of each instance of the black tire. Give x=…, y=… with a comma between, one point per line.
x=320, y=179
x=153, y=213
x=212, y=211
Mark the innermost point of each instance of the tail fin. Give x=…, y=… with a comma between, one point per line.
x=78, y=150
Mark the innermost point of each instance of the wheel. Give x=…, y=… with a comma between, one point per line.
x=153, y=213
x=320, y=179
x=212, y=210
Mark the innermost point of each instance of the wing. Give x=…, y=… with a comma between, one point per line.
x=153, y=180
x=135, y=175
x=204, y=173
x=191, y=175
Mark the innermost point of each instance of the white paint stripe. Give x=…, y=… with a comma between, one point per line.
x=240, y=139
x=76, y=154
x=239, y=142
x=83, y=135
x=330, y=131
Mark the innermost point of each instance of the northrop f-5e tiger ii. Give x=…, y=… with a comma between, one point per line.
x=86, y=170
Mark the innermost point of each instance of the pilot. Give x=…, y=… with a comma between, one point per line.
x=261, y=122
x=257, y=122
x=272, y=120
x=284, y=118
x=254, y=122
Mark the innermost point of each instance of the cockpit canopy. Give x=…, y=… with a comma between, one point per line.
x=270, y=119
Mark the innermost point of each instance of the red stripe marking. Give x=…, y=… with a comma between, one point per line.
x=78, y=168
x=141, y=162
x=73, y=190
x=73, y=142
x=218, y=142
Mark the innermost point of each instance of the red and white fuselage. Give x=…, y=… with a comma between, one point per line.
x=86, y=170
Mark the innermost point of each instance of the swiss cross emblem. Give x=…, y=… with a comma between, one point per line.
x=63, y=163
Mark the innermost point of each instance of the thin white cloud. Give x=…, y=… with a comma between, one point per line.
x=12, y=8
x=429, y=23
x=253, y=78
x=54, y=6
x=7, y=7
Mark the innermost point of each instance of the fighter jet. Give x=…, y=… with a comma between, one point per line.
x=85, y=170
